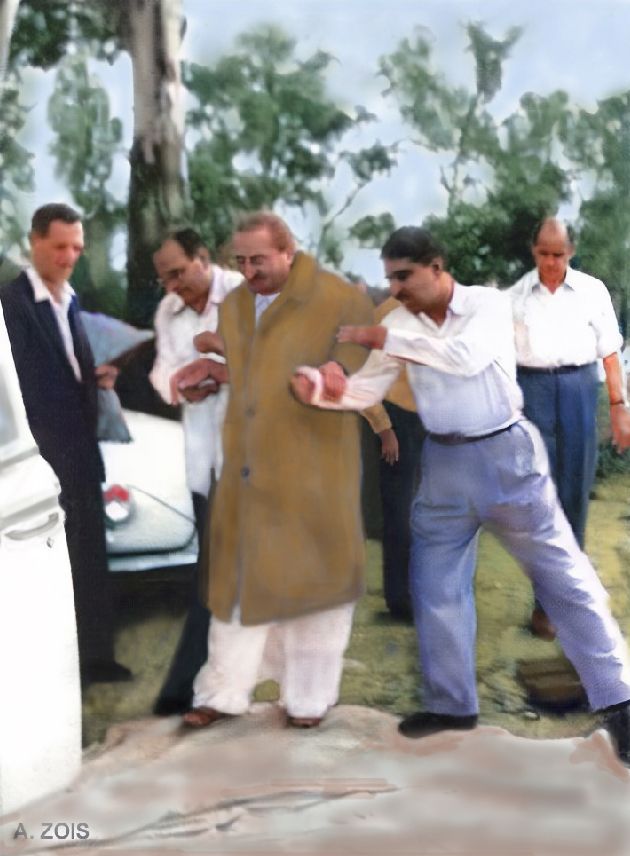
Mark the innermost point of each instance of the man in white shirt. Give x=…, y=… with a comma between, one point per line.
x=483, y=464
x=564, y=323
x=195, y=290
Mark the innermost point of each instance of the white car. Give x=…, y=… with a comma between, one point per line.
x=149, y=515
x=40, y=751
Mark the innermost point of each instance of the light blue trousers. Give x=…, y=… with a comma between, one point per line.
x=503, y=484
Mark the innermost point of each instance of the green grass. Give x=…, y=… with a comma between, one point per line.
x=381, y=664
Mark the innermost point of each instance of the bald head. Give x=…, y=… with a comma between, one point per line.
x=552, y=250
x=552, y=228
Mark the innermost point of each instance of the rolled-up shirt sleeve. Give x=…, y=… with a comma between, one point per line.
x=604, y=321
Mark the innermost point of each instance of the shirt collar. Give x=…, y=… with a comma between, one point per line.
x=217, y=286
x=534, y=280
x=41, y=292
x=458, y=299
x=215, y=295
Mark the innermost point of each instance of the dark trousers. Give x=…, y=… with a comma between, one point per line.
x=82, y=501
x=398, y=483
x=564, y=409
x=192, y=649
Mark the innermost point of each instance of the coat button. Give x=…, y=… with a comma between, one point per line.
x=245, y=472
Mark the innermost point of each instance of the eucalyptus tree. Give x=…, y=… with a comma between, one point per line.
x=16, y=171
x=599, y=143
x=151, y=32
x=267, y=131
x=499, y=177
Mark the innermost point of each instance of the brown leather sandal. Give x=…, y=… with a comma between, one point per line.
x=202, y=717
x=304, y=721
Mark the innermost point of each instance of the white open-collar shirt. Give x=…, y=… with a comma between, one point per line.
x=176, y=325
x=60, y=311
x=574, y=326
x=462, y=372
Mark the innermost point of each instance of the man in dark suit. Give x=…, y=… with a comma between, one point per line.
x=59, y=384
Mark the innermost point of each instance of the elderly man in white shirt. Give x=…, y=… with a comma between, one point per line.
x=485, y=465
x=564, y=324
x=195, y=290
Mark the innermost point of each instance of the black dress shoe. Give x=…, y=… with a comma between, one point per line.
x=424, y=723
x=617, y=723
x=170, y=705
x=104, y=672
x=402, y=613
x=394, y=616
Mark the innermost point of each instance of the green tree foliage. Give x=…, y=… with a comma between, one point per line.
x=85, y=146
x=599, y=142
x=16, y=168
x=44, y=33
x=267, y=132
x=47, y=34
x=448, y=120
x=500, y=177
x=87, y=137
x=45, y=28
x=373, y=229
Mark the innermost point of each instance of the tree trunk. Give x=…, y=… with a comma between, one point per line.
x=156, y=200
x=8, y=11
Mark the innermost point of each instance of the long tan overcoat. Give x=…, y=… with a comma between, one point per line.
x=286, y=535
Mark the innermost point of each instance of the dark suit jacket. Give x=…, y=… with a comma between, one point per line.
x=62, y=411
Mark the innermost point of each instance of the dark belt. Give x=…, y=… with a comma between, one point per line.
x=552, y=371
x=460, y=439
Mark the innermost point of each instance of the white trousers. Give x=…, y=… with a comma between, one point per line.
x=304, y=655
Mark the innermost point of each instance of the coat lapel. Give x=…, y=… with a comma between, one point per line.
x=244, y=321
x=82, y=349
x=296, y=288
x=45, y=318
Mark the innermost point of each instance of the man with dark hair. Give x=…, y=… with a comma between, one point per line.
x=286, y=553
x=195, y=289
x=564, y=322
x=484, y=465
x=59, y=383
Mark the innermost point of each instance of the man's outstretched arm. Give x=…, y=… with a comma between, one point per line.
x=329, y=388
x=370, y=337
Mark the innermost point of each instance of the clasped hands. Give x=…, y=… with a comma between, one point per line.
x=196, y=381
x=333, y=377
x=203, y=377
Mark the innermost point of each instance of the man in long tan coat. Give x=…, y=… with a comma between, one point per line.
x=286, y=553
